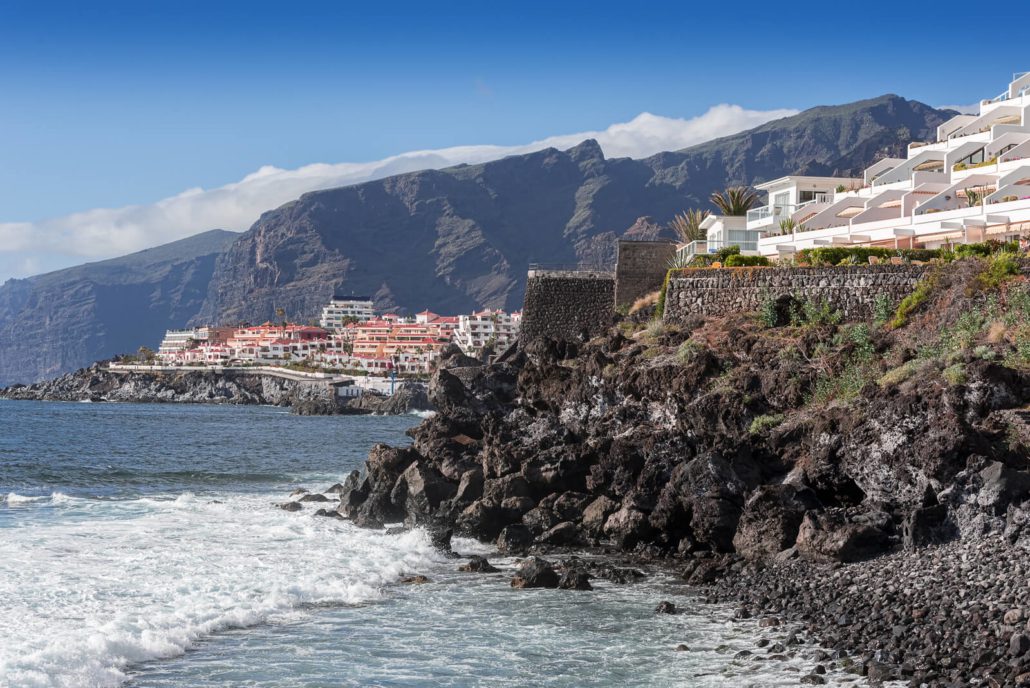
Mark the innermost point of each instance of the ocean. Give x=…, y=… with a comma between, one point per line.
x=139, y=547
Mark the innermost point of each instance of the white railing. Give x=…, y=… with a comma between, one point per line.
x=770, y=211
x=701, y=248
x=781, y=211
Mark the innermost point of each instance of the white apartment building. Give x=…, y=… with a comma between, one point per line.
x=479, y=329
x=786, y=196
x=340, y=311
x=969, y=185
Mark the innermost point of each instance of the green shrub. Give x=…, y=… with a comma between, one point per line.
x=861, y=341
x=723, y=253
x=895, y=376
x=764, y=423
x=814, y=312
x=1020, y=357
x=986, y=248
x=964, y=333
x=984, y=353
x=846, y=384
x=688, y=351
x=1000, y=268
x=913, y=301
x=955, y=374
x=883, y=309
x=859, y=255
x=1017, y=303
x=655, y=328
x=737, y=261
x=767, y=312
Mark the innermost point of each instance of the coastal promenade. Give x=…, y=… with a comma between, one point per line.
x=381, y=385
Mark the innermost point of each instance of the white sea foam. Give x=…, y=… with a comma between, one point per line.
x=87, y=599
x=15, y=499
x=422, y=414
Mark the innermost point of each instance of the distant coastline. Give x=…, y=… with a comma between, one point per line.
x=303, y=393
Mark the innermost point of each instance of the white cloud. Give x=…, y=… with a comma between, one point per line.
x=107, y=232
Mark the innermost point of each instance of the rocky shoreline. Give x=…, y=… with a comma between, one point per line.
x=98, y=384
x=852, y=478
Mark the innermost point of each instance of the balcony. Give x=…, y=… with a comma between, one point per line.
x=770, y=213
x=696, y=248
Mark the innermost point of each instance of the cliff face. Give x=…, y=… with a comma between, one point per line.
x=461, y=238
x=66, y=319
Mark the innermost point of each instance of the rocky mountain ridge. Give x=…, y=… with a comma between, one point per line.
x=462, y=238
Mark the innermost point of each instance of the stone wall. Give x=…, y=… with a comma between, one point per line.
x=852, y=290
x=641, y=268
x=567, y=304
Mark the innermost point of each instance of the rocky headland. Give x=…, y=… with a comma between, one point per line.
x=866, y=483
x=98, y=383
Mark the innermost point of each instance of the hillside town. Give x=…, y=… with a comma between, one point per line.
x=351, y=337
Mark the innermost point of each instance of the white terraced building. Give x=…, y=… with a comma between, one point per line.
x=342, y=310
x=487, y=327
x=970, y=185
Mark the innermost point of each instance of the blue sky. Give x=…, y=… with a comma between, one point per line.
x=108, y=104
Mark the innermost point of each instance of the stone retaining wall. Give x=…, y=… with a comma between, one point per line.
x=567, y=304
x=853, y=289
x=641, y=269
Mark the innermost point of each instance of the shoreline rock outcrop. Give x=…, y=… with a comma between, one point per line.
x=99, y=384
x=734, y=445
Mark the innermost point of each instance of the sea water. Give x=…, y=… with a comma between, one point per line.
x=139, y=546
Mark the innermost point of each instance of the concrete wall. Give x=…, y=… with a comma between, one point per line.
x=567, y=304
x=641, y=269
x=852, y=290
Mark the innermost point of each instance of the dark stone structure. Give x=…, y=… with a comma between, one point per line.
x=567, y=304
x=853, y=289
x=641, y=268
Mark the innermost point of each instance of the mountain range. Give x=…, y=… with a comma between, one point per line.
x=451, y=240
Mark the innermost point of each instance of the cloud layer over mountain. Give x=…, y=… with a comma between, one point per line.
x=30, y=247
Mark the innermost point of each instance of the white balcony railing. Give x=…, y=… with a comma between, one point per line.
x=772, y=213
x=781, y=211
x=698, y=248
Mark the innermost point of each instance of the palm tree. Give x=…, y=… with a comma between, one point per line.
x=735, y=201
x=687, y=225
x=788, y=226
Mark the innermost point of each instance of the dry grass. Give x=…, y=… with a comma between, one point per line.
x=644, y=302
x=996, y=332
